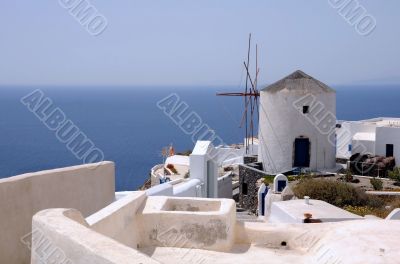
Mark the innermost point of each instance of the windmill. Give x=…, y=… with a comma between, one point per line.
x=250, y=96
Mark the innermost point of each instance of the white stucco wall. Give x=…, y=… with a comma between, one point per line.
x=204, y=167
x=281, y=123
x=188, y=223
x=345, y=136
x=118, y=220
x=225, y=155
x=87, y=188
x=225, y=186
x=178, y=188
x=189, y=188
x=383, y=135
x=388, y=135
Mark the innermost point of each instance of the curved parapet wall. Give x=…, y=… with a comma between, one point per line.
x=69, y=240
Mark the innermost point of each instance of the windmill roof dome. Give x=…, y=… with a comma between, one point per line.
x=298, y=80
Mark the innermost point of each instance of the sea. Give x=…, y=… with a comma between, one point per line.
x=129, y=127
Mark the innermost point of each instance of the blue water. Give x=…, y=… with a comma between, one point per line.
x=127, y=126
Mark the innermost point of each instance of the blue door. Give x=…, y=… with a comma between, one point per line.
x=301, y=152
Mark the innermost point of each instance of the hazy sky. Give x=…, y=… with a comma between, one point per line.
x=203, y=42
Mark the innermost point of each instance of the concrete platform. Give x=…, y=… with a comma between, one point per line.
x=293, y=212
x=240, y=253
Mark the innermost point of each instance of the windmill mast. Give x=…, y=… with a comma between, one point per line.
x=250, y=96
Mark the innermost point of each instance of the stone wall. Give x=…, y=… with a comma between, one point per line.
x=248, y=189
x=249, y=159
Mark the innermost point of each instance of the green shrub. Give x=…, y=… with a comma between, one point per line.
x=268, y=179
x=336, y=193
x=366, y=210
x=377, y=184
x=395, y=174
x=348, y=176
x=395, y=203
x=292, y=178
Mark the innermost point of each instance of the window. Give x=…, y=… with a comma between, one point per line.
x=350, y=147
x=306, y=109
x=244, y=188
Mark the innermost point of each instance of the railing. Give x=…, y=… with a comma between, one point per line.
x=367, y=169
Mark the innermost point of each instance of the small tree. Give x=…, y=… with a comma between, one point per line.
x=348, y=176
x=377, y=184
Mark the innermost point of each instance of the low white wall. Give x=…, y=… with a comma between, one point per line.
x=225, y=154
x=225, y=186
x=234, y=161
x=191, y=188
x=118, y=220
x=87, y=188
x=178, y=188
x=161, y=189
x=155, y=179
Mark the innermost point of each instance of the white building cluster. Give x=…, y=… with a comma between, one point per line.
x=377, y=136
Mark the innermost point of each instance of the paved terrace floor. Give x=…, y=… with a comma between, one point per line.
x=254, y=254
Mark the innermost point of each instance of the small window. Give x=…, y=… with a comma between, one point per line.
x=350, y=147
x=244, y=188
x=306, y=109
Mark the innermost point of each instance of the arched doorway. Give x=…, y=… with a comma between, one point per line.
x=301, y=152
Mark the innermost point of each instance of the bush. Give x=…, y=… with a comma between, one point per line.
x=366, y=210
x=377, y=184
x=395, y=174
x=268, y=179
x=395, y=203
x=229, y=168
x=292, y=178
x=336, y=193
x=348, y=176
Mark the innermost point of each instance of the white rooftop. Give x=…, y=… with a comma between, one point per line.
x=383, y=121
x=293, y=212
x=364, y=136
x=178, y=160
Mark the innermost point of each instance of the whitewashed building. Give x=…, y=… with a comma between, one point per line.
x=377, y=136
x=297, y=124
